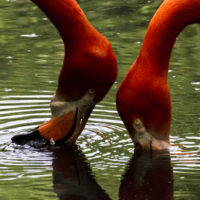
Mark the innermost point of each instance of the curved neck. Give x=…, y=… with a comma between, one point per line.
x=165, y=26
x=69, y=19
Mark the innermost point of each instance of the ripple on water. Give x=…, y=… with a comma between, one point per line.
x=185, y=160
x=104, y=141
x=19, y=162
x=23, y=112
x=17, y=114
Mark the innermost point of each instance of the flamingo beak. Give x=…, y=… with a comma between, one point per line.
x=65, y=128
x=145, y=140
x=67, y=122
x=61, y=129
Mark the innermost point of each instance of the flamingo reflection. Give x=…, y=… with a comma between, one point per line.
x=148, y=177
x=72, y=176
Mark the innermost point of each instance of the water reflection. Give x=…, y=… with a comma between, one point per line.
x=72, y=176
x=148, y=177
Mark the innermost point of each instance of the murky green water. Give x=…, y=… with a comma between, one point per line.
x=103, y=165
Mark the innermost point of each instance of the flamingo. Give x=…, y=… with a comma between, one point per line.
x=89, y=70
x=143, y=98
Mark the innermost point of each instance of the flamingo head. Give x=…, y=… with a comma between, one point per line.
x=144, y=105
x=86, y=76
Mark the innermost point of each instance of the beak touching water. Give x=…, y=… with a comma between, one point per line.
x=65, y=128
x=67, y=122
x=89, y=70
x=145, y=140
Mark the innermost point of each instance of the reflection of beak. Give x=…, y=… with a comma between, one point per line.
x=64, y=128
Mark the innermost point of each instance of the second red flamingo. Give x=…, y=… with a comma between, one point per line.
x=143, y=98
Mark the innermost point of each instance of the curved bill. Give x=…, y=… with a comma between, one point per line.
x=61, y=129
x=64, y=128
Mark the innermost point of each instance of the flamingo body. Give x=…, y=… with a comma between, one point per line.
x=89, y=70
x=143, y=98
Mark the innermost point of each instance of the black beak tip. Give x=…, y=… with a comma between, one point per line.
x=33, y=139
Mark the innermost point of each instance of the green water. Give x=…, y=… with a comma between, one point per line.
x=104, y=166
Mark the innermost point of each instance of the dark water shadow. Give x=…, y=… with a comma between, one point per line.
x=72, y=176
x=148, y=177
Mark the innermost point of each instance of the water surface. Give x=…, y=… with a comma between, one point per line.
x=103, y=165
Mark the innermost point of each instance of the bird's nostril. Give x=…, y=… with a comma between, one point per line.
x=150, y=146
x=52, y=141
x=82, y=118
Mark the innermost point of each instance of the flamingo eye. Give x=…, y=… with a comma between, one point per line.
x=137, y=122
x=138, y=126
x=91, y=91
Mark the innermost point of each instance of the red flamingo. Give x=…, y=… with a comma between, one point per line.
x=143, y=98
x=89, y=70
